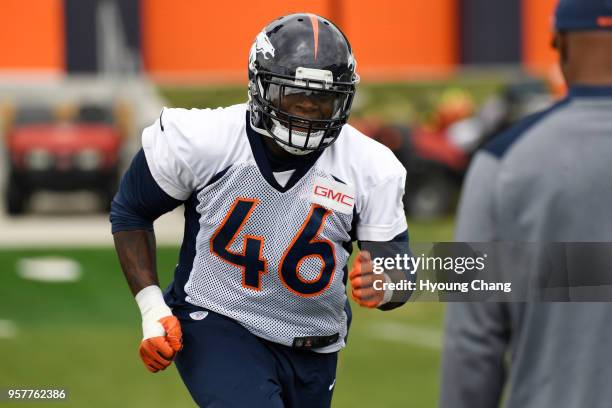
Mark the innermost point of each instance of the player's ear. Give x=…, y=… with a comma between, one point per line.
x=554, y=41
x=560, y=44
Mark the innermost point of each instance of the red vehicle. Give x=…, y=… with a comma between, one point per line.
x=47, y=154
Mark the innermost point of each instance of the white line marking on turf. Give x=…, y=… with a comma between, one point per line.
x=49, y=269
x=8, y=329
x=407, y=333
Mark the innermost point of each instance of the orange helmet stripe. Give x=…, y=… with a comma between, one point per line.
x=315, y=32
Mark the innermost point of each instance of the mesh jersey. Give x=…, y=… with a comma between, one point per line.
x=273, y=258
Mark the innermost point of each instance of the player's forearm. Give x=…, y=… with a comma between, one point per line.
x=162, y=337
x=136, y=252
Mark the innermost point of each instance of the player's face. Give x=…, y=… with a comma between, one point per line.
x=308, y=104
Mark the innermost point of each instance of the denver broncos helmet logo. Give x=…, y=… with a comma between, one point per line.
x=263, y=45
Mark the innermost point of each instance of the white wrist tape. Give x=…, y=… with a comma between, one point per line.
x=388, y=292
x=152, y=308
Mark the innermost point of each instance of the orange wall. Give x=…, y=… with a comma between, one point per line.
x=192, y=36
x=538, y=55
x=403, y=36
x=32, y=35
x=204, y=39
x=213, y=38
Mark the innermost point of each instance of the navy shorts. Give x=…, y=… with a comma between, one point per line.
x=224, y=365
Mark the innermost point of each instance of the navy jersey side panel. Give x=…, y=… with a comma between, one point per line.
x=140, y=200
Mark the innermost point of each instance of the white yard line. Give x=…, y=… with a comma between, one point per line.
x=8, y=329
x=49, y=269
x=40, y=231
x=407, y=333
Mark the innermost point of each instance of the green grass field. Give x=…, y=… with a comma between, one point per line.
x=83, y=337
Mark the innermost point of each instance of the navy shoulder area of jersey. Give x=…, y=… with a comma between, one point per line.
x=139, y=200
x=359, y=157
x=501, y=143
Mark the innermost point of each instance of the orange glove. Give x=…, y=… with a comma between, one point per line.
x=162, y=336
x=362, y=282
x=157, y=352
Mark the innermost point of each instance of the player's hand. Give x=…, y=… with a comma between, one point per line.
x=362, y=282
x=157, y=352
x=162, y=336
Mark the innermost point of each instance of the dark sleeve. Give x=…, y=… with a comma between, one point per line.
x=398, y=245
x=140, y=200
x=476, y=339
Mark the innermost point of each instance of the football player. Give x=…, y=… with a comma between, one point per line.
x=275, y=191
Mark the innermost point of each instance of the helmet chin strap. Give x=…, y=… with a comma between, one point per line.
x=293, y=150
x=282, y=133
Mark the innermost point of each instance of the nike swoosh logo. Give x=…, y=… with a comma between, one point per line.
x=332, y=385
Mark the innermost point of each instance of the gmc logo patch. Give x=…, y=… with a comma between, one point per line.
x=333, y=195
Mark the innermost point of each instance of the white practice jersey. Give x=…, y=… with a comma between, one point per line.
x=270, y=253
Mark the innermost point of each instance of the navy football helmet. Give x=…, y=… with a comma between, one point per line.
x=301, y=82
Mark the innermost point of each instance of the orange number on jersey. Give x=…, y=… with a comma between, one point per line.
x=250, y=260
x=306, y=245
x=303, y=246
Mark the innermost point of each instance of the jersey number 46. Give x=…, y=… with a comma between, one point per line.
x=304, y=245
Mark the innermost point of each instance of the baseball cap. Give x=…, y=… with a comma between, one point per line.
x=577, y=15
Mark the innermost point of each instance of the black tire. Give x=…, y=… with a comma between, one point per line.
x=16, y=198
x=433, y=197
